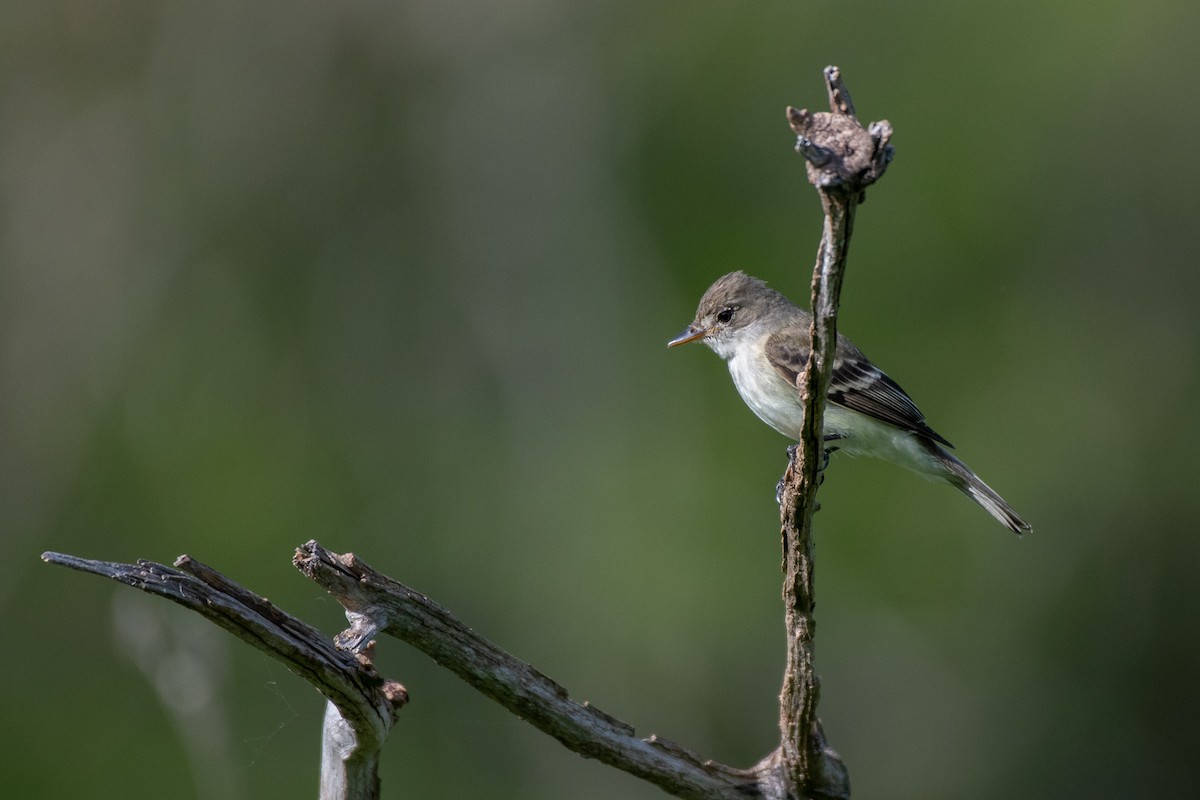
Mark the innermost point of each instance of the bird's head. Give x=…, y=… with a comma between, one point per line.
x=733, y=304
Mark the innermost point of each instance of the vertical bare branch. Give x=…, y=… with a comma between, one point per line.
x=843, y=159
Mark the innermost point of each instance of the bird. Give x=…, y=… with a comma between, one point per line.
x=766, y=339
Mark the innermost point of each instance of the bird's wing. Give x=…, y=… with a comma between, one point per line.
x=856, y=384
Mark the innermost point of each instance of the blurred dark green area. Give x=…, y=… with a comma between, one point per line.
x=398, y=277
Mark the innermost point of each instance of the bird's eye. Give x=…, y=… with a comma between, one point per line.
x=725, y=315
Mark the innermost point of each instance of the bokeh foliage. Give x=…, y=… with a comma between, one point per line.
x=399, y=276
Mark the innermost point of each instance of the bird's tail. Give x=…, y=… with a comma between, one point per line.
x=967, y=482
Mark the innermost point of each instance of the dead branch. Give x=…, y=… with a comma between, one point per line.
x=843, y=159
x=364, y=705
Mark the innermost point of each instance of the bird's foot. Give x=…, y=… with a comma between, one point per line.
x=793, y=452
x=825, y=460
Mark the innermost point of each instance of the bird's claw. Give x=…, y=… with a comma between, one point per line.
x=793, y=452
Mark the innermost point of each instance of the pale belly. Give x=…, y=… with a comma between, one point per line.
x=777, y=403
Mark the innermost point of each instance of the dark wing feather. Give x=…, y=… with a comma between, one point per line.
x=856, y=384
x=861, y=386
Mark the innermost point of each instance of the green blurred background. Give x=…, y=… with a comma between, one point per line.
x=398, y=277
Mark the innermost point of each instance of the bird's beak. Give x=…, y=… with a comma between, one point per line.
x=690, y=334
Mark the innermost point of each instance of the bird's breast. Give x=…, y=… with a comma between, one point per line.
x=772, y=399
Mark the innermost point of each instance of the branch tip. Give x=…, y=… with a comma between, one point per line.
x=839, y=95
x=395, y=693
x=842, y=156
